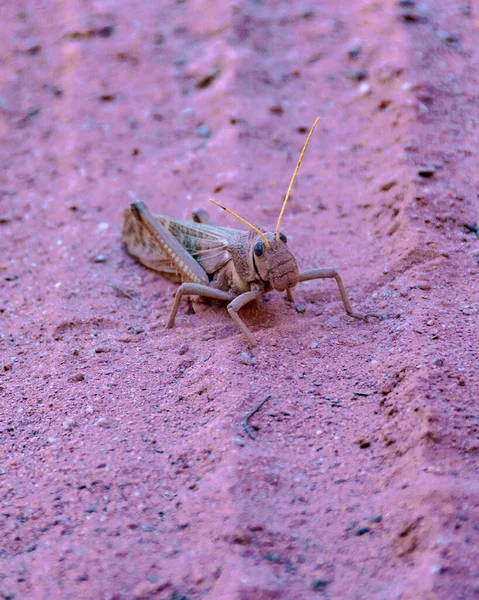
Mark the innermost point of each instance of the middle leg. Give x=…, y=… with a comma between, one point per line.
x=233, y=308
x=194, y=289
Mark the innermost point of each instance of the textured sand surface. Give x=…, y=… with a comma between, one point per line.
x=125, y=470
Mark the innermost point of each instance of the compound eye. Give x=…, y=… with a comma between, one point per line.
x=259, y=248
x=283, y=238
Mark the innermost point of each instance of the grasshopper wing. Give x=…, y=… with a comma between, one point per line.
x=207, y=244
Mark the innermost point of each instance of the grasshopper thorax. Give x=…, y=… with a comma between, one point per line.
x=274, y=263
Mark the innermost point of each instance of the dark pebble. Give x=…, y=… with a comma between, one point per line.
x=136, y=330
x=359, y=75
x=272, y=557
x=208, y=79
x=363, y=530
x=106, y=32
x=319, y=584
x=426, y=172
x=354, y=52
x=364, y=444
x=387, y=186
x=472, y=228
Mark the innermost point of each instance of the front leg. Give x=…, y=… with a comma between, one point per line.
x=333, y=274
x=195, y=289
x=289, y=295
x=233, y=308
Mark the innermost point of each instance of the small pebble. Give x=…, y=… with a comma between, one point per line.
x=272, y=557
x=363, y=530
x=300, y=308
x=101, y=258
x=354, y=51
x=314, y=345
x=136, y=330
x=247, y=358
x=239, y=441
x=180, y=61
x=387, y=186
x=438, y=570
x=426, y=172
x=364, y=89
x=77, y=377
x=209, y=335
x=358, y=75
x=376, y=519
x=203, y=131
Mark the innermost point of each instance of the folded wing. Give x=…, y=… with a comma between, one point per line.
x=207, y=244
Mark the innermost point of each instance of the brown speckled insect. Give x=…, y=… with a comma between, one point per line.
x=220, y=263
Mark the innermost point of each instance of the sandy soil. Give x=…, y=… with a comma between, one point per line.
x=126, y=472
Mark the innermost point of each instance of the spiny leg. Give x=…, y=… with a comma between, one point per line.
x=289, y=295
x=198, y=290
x=333, y=274
x=233, y=308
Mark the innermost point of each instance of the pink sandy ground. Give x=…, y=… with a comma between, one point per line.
x=125, y=470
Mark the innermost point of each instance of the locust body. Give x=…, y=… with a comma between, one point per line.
x=219, y=263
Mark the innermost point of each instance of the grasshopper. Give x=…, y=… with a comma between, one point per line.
x=219, y=263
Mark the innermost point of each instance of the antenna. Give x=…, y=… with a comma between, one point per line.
x=294, y=177
x=229, y=211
